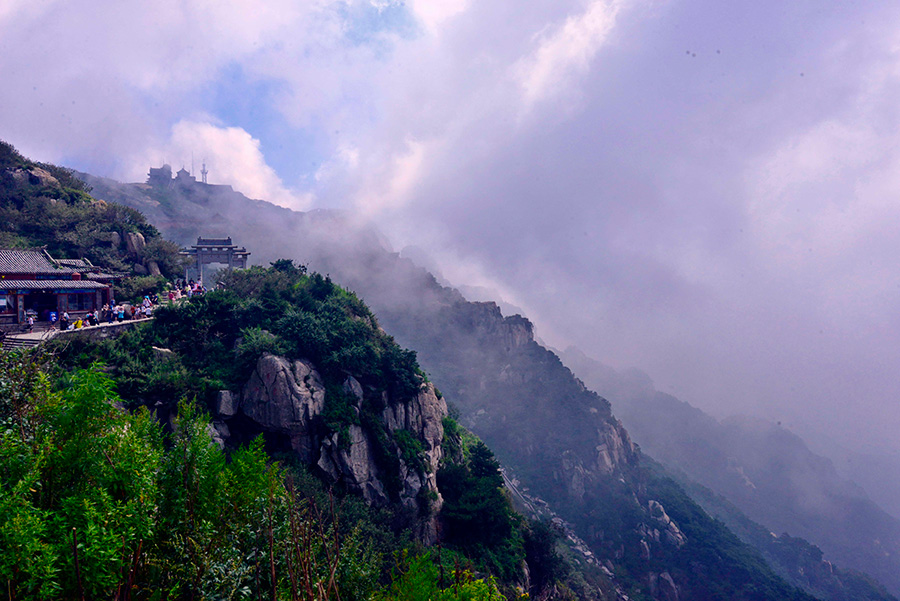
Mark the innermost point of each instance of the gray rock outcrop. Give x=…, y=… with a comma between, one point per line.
x=162, y=354
x=354, y=465
x=663, y=587
x=35, y=176
x=134, y=243
x=670, y=530
x=283, y=396
x=614, y=448
x=423, y=417
x=227, y=403
x=287, y=398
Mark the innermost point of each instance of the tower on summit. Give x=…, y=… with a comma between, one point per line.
x=203, y=173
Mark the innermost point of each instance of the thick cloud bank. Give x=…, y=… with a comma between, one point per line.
x=705, y=190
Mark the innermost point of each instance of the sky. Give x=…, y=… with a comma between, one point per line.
x=705, y=190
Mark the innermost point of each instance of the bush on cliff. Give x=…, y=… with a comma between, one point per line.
x=96, y=503
x=46, y=205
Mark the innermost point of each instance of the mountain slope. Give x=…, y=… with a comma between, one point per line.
x=560, y=438
x=761, y=468
x=43, y=205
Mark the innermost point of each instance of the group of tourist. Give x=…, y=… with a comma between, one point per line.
x=65, y=322
x=114, y=312
x=185, y=289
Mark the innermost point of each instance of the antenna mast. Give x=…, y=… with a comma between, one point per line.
x=203, y=172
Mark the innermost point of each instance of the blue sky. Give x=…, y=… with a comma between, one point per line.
x=704, y=190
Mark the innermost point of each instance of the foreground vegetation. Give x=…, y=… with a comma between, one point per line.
x=103, y=499
x=100, y=503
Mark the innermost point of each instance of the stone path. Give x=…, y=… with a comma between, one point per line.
x=27, y=340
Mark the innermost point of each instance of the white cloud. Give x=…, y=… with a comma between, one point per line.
x=24, y=9
x=392, y=188
x=433, y=13
x=232, y=156
x=566, y=52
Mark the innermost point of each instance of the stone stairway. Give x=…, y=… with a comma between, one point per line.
x=15, y=343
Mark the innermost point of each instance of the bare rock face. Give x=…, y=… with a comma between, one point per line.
x=670, y=530
x=35, y=176
x=486, y=318
x=423, y=417
x=662, y=587
x=218, y=432
x=354, y=465
x=614, y=448
x=353, y=388
x=284, y=397
x=115, y=239
x=614, y=453
x=162, y=354
x=227, y=403
x=134, y=243
x=153, y=266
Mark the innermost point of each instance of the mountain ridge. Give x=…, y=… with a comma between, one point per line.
x=472, y=352
x=764, y=469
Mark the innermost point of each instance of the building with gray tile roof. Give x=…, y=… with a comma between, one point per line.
x=34, y=283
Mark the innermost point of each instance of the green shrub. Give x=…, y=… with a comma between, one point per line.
x=419, y=579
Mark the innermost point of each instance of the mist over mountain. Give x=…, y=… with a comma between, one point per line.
x=705, y=190
x=702, y=189
x=555, y=435
x=763, y=469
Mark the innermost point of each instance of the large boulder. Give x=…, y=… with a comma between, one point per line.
x=134, y=243
x=284, y=397
x=353, y=464
x=671, y=532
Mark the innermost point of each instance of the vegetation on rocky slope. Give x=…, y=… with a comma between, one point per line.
x=214, y=341
x=772, y=482
x=102, y=503
x=43, y=205
x=109, y=496
x=559, y=438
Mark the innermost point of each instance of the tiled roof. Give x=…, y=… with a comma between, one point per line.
x=29, y=261
x=214, y=242
x=104, y=277
x=50, y=284
x=77, y=263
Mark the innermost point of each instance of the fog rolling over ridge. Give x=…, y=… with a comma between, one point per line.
x=510, y=389
x=704, y=190
x=765, y=470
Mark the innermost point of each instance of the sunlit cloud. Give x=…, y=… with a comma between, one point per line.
x=231, y=155
x=565, y=52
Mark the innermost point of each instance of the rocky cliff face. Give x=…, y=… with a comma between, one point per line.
x=286, y=399
x=559, y=437
x=767, y=475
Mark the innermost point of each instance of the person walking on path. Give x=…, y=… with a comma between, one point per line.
x=31, y=323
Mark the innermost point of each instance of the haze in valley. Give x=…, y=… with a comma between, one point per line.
x=707, y=191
